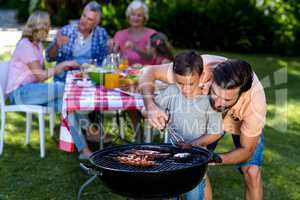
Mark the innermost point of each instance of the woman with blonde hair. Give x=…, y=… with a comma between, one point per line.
x=27, y=71
x=132, y=42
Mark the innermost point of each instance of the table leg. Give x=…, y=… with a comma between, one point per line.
x=101, y=135
x=147, y=131
x=139, y=135
x=120, y=123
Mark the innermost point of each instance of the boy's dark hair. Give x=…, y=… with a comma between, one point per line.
x=232, y=74
x=159, y=42
x=187, y=62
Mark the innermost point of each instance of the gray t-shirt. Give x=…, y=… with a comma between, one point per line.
x=190, y=118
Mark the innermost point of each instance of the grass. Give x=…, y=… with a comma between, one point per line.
x=23, y=175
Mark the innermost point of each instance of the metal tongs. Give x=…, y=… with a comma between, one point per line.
x=175, y=138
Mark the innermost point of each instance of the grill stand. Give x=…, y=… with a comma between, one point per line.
x=89, y=171
x=89, y=181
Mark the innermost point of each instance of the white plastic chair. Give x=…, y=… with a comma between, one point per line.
x=28, y=109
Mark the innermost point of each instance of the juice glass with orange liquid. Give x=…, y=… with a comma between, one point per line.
x=111, y=80
x=123, y=64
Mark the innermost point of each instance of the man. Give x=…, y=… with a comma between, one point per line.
x=84, y=41
x=235, y=91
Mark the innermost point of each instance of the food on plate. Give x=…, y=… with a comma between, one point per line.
x=96, y=77
x=88, y=67
x=72, y=68
x=137, y=66
x=129, y=83
x=78, y=75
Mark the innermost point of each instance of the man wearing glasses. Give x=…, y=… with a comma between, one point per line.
x=234, y=90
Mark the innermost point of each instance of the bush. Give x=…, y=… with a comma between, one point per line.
x=227, y=25
x=217, y=25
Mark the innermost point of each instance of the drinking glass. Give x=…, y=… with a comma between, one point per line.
x=123, y=64
x=111, y=80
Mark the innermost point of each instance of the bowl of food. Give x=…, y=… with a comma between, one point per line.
x=129, y=83
x=97, y=75
x=137, y=66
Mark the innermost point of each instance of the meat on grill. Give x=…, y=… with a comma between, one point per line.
x=141, y=158
x=150, y=154
x=135, y=160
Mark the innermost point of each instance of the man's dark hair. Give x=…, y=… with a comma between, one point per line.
x=187, y=62
x=232, y=74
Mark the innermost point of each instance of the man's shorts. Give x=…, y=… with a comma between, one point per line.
x=257, y=157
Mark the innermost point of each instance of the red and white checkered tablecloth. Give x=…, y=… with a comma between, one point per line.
x=91, y=98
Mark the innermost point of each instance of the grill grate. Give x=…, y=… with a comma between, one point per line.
x=104, y=159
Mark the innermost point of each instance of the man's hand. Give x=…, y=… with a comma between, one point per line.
x=157, y=118
x=185, y=146
x=61, y=40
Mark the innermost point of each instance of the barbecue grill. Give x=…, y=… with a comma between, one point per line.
x=169, y=178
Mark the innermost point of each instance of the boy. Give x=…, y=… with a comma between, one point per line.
x=191, y=114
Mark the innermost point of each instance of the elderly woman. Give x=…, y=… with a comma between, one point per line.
x=27, y=70
x=132, y=42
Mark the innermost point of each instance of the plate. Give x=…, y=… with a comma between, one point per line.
x=128, y=93
x=84, y=83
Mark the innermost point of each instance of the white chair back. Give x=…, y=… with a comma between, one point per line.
x=3, y=81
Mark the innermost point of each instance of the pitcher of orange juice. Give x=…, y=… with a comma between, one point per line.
x=111, y=78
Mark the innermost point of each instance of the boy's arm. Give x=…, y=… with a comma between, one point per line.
x=161, y=102
x=157, y=118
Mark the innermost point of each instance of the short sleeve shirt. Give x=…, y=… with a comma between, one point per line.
x=121, y=37
x=19, y=72
x=191, y=118
x=248, y=115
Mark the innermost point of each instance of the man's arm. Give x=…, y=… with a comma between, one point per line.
x=157, y=117
x=252, y=125
x=51, y=51
x=243, y=153
x=206, y=139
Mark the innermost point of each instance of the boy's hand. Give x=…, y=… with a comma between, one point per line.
x=157, y=118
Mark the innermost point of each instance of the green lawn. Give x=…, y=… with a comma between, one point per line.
x=23, y=175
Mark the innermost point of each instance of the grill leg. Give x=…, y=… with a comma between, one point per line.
x=89, y=181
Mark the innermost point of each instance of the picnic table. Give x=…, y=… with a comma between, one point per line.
x=91, y=98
